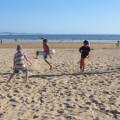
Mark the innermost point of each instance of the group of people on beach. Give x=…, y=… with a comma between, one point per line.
x=20, y=59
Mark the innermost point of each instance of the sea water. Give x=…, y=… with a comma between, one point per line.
x=60, y=37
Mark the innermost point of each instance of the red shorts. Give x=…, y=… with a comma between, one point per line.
x=82, y=61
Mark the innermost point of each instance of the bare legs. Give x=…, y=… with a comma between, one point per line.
x=37, y=54
x=26, y=76
x=82, y=67
x=48, y=63
x=13, y=74
x=82, y=64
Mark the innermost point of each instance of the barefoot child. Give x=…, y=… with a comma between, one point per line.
x=84, y=50
x=19, y=63
x=46, y=52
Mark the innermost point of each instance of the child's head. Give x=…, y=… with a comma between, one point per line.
x=44, y=41
x=19, y=47
x=85, y=43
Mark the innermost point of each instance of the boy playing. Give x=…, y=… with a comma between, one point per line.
x=46, y=52
x=84, y=50
x=19, y=63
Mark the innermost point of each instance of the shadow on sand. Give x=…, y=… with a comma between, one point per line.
x=6, y=73
x=71, y=74
x=76, y=74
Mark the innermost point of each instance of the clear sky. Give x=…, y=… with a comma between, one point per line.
x=60, y=16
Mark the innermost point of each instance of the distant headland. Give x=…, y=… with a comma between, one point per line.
x=14, y=33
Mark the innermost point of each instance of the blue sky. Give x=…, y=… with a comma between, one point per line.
x=60, y=16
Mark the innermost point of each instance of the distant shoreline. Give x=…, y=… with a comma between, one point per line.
x=60, y=37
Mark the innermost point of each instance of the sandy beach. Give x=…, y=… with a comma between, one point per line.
x=63, y=93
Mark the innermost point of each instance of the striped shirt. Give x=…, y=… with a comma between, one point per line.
x=19, y=60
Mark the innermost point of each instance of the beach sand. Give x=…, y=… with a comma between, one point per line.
x=63, y=93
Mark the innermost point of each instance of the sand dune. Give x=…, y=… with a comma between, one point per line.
x=63, y=93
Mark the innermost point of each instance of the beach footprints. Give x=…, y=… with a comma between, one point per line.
x=38, y=65
x=60, y=94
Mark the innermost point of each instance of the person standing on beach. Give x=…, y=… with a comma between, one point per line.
x=15, y=40
x=1, y=42
x=84, y=50
x=19, y=63
x=118, y=44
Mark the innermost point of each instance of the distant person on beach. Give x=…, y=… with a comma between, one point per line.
x=46, y=52
x=20, y=63
x=84, y=50
x=1, y=42
x=15, y=40
x=118, y=44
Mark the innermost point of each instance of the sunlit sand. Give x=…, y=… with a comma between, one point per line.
x=63, y=93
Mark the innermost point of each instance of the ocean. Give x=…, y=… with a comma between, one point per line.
x=61, y=37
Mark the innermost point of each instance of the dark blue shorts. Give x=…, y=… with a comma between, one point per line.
x=45, y=55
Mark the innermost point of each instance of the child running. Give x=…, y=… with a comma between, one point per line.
x=46, y=52
x=84, y=50
x=19, y=63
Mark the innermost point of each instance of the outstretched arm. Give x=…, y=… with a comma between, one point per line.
x=27, y=59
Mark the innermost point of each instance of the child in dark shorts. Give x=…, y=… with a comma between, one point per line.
x=84, y=50
x=46, y=52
